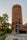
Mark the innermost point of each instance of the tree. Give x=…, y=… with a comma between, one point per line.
x=5, y=20
x=1, y=19
x=5, y=17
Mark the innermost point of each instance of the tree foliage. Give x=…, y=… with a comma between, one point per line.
x=3, y=19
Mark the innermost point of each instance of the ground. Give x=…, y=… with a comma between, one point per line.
x=19, y=37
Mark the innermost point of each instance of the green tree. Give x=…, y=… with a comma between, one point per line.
x=1, y=19
x=5, y=17
x=5, y=20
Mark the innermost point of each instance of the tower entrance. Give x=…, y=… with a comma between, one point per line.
x=17, y=26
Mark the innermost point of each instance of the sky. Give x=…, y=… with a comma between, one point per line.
x=6, y=7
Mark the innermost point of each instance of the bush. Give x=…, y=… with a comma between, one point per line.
x=9, y=30
x=4, y=30
x=1, y=33
x=2, y=37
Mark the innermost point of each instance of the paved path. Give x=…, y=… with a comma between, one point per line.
x=19, y=37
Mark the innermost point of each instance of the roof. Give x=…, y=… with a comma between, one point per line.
x=16, y=5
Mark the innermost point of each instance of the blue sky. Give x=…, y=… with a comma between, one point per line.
x=6, y=7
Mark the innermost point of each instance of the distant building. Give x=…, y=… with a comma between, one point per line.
x=17, y=19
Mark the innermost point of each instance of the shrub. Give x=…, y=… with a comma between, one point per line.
x=9, y=30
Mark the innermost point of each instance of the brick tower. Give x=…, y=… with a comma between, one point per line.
x=16, y=17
